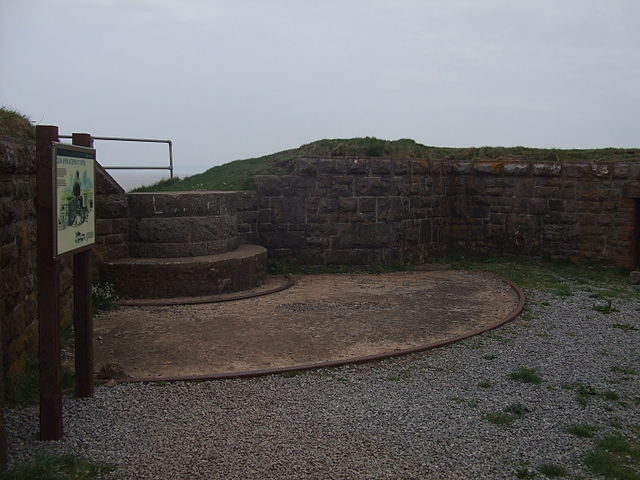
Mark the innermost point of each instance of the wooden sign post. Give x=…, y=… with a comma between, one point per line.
x=65, y=207
x=82, y=308
x=48, y=286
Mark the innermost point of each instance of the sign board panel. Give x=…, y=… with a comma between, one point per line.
x=74, y=198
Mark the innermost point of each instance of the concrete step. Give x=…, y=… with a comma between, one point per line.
x=240, y=269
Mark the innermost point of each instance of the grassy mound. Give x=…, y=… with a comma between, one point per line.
x=239, y=174
x=16, y=126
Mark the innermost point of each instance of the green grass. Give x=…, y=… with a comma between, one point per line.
x=484, y=384
x=547, y=275
x=15, y=125
x=239, y=174
x=23, y=390
x=65, y=467
x=582, y=430
x=526, y=375
x=552, y=470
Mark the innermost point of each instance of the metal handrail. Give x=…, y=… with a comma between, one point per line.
x=130, y=167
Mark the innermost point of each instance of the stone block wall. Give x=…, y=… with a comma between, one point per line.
x=354, y=211
x=112, y=219
x=18, y=280
x=570, y=210
x=247, y=211
x=374, y=210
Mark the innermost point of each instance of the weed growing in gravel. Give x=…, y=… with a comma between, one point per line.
x=610, y=395
x=525, y=471
x=404, y=375
x=489, y=357
x=552, y=470
x=508, y=415
x=624, y=370
x=615, y=457
x=606, y=309
x=526, y=375
x=623, y=326
x=582, y=430
x=484, y=384
x=64, y=467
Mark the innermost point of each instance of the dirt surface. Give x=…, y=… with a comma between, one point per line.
x=321, y=318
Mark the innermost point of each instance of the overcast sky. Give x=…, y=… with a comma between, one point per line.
x=241, y=78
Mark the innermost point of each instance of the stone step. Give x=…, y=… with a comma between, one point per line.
x=243, y=268
x=182, y=224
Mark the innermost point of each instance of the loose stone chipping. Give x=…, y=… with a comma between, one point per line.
x=421, y=416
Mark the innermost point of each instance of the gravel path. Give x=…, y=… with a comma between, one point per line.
x=420, y=416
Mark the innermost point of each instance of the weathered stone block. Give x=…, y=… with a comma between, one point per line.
x=287, y=210
x=488, y=168
x=347, y=204
x=111, y=206
x=307, y=166
x=517, y=169
x=373, y=186
x=327, y=205
x=350, y=257
x=538, y=206
x=381, y=166
x=547, y=169
x=576, y=170
x=461, y=168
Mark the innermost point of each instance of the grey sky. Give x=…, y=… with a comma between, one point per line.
x=235, y=79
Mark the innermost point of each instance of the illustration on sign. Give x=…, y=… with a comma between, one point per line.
x=75, y=197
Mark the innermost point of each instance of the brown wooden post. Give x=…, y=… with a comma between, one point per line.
x=48, y=316
x=82, y=307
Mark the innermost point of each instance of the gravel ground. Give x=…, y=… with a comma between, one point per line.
x=420, y=416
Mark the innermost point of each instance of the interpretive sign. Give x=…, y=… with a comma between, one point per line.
x=74, y=198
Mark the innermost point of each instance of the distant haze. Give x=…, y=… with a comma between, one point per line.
x=226, y=80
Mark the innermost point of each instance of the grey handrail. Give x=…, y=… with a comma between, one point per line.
x=132, y=167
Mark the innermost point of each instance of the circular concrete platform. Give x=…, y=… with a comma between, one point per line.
x=323, y=320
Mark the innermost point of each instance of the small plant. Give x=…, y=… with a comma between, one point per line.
x=581, y=430
x=583, y=392
x=403, y=375
x=510, y=414
x=552, y=470
x=606, y=309
x=624, y=370
x=525, y=472
x=489, y=357
x=484, y=384
x=610, y=395
x=104, y=297
x=63, y=467
x=526, y=375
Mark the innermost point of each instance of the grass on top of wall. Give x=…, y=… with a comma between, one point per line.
x=16, y=126
x=239, y=174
